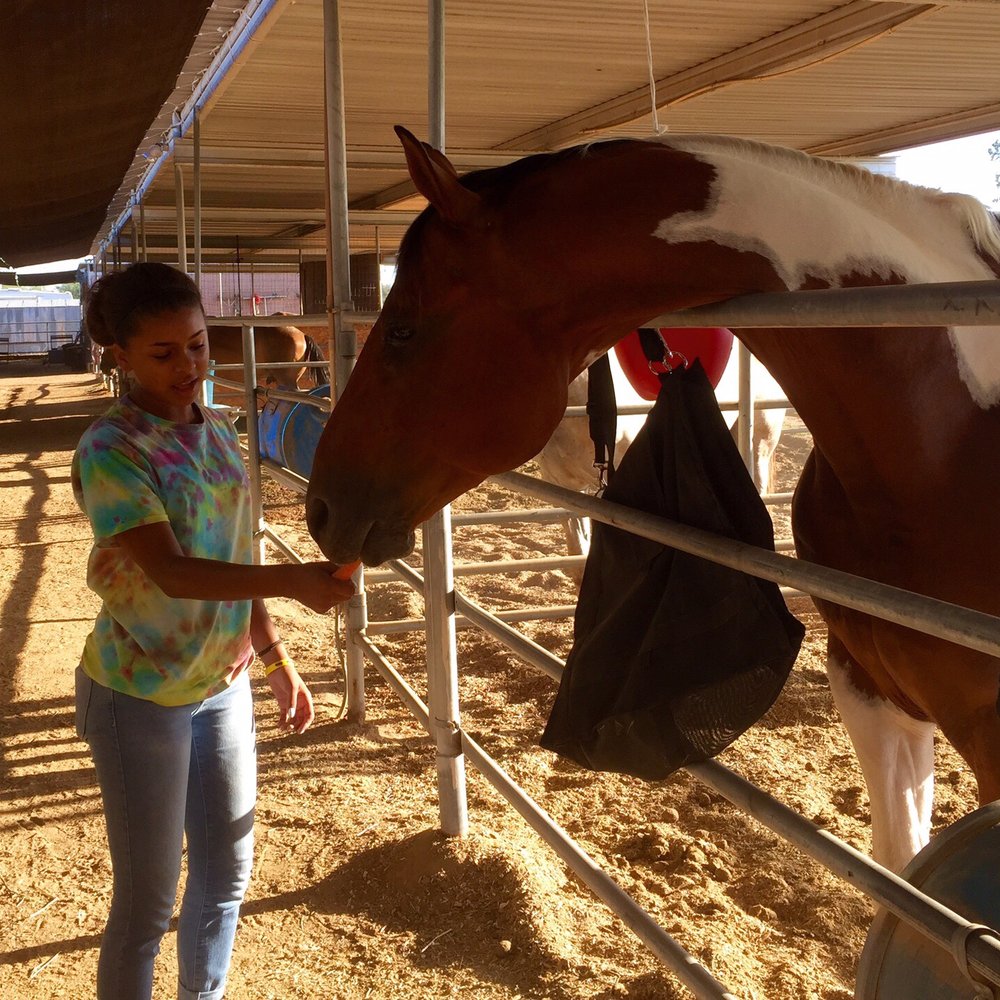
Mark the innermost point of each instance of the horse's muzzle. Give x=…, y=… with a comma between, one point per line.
x=345, y=538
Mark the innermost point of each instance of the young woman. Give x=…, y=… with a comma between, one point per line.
x=163, y=690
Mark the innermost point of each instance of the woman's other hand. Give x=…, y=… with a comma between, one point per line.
x=295, y=704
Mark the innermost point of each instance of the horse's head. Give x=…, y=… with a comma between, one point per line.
x=450, y=387
x=507, y=284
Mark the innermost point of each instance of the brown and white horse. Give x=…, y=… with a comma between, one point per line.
x=515, y=277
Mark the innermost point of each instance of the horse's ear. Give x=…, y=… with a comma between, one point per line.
x=437, y=180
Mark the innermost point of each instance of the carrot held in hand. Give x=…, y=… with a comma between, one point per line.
x=346, y=571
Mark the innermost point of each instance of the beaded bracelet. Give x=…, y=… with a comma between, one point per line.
x=271, y=667
x=267, y=649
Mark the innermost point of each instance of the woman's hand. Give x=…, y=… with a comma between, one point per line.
x=295, y=704
x=316, y=586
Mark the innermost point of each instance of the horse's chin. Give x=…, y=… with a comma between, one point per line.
x=373, y=542
x=384, y=543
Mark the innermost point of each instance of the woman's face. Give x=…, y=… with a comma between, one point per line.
x=168, y=357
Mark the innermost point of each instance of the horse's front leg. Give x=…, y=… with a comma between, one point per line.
x=896, y=754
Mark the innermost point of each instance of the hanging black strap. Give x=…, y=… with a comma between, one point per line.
x=602, y=411
x=652, y=343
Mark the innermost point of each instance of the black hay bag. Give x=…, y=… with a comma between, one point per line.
x=674, y=657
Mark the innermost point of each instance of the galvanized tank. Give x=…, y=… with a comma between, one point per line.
x=289, y=432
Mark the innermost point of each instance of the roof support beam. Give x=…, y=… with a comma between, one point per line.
x=793, y=48
x=280, y=216
x=953, y=126
x=358, y=157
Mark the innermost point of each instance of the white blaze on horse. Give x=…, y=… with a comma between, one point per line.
x=568, y=457
x=514, y=277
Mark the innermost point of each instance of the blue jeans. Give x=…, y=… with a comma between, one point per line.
x=164, y=773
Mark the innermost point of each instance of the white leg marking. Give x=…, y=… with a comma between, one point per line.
x=577, y=535
x=896, y=753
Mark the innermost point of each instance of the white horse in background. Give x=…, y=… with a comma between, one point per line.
x=568, y=457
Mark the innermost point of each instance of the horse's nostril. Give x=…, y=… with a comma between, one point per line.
x=317, y=515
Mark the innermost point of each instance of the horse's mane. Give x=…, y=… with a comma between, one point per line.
x=982, y=225
x=979, y=222
x=497, y=181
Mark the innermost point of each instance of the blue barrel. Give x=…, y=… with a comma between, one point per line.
x=289, y=432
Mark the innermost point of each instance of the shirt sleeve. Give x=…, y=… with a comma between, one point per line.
x=115, y=486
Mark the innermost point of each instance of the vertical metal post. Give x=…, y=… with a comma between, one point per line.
x=435, y=73
x=196, y=180
x=253, y=443
x=142, y=229
x=747, y=413
x=378, y=268
x=302, y=301
x=439, y=583
x=182, y=255
x=338, y=297
x=134, y=235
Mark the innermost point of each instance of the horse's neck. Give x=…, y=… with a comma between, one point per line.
x=888, y=408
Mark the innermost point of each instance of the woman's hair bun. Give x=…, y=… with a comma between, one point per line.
x=120, y=299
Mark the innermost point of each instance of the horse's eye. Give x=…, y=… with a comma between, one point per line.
x=398, y=334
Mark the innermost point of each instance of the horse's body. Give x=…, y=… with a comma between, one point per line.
x=515, y=277
x=568, y=456
x=272, y=345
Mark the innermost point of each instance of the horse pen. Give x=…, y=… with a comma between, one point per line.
x=355, y=894
x=348, y=866
x=356, y=891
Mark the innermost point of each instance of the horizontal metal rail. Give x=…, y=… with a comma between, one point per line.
x=536, y=515
x=226, y=383
x=272, y=536
x=932, y=918
x=549, y=613
x=236, y=366
x=526, y=648
x=316, y=402
x=285, y=476
x=964, y=626
x=309, y=319
x=944, y=303
x=637, y=409
x=687, y=968
x=947, y=303
x=498, y=566
x=292, y=396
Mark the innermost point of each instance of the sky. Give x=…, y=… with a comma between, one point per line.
x=962, y=165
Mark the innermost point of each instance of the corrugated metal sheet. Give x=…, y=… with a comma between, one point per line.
x=855, y=78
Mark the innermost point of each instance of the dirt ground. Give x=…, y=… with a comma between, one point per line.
x=355, y=894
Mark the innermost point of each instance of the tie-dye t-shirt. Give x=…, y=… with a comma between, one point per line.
x=132, y=468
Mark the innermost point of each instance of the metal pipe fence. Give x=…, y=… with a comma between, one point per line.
x=961, y=625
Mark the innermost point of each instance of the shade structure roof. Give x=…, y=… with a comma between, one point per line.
x=850, y=79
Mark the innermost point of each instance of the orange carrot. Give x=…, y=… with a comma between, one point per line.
x=345, y=572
